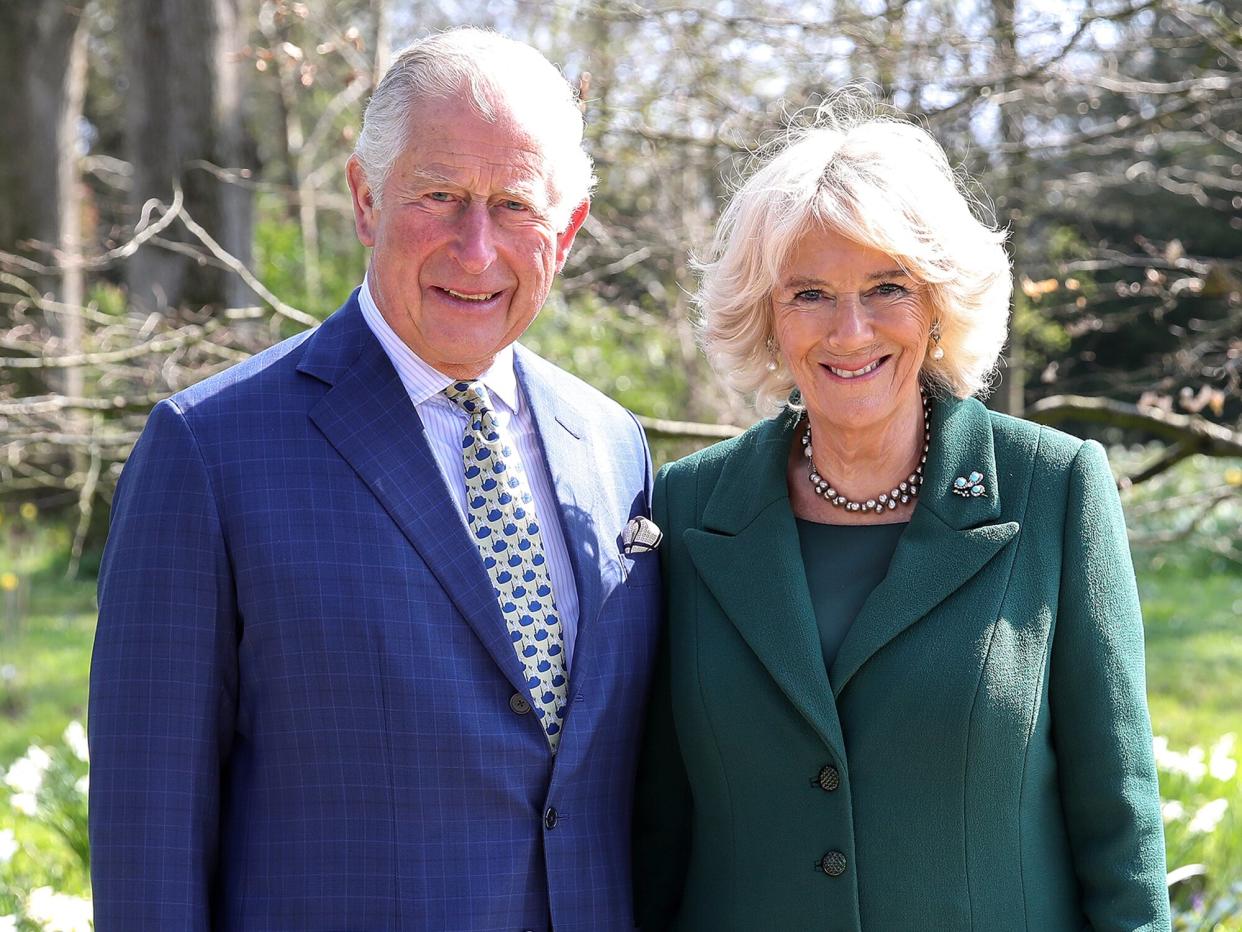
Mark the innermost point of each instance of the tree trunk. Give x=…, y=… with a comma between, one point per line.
x=183, y=109
x=1011, y=200
x=69, y=203
x=383, y=39
x=36, y=42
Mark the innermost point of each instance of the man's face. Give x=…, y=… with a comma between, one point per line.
x=464, y=251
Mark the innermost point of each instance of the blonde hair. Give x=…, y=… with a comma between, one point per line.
x=487, y=69
x=882, y=182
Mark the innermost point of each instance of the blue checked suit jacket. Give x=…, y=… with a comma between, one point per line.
x=300, y=710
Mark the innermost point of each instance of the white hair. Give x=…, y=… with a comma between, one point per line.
x=488, y=70
x=884, y=183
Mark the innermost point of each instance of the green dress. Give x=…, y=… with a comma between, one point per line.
x=844, y=562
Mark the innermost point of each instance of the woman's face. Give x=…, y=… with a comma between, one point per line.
x=853, y=329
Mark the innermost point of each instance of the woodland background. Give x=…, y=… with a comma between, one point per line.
x=172, y=199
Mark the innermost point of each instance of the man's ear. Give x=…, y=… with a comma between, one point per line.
x=366, y=211
x=566, y=238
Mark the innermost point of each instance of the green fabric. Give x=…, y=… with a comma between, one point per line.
x=843, y=563
x=986, y=713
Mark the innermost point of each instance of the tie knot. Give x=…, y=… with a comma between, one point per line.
x=471, y=397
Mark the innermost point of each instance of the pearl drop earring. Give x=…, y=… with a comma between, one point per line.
x=937, y=352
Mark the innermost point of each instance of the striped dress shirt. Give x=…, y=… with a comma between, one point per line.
x=445, y=424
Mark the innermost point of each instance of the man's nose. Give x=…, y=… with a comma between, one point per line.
x=475, y=244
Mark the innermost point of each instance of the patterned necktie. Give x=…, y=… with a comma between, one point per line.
x=500, y=513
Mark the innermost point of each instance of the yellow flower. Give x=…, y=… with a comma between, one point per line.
x=29, y=511
x=1233, y=475
x=8, y=581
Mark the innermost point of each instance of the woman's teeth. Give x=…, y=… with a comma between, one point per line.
x=855, y=373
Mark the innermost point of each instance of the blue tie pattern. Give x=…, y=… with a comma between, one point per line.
x=500, y=514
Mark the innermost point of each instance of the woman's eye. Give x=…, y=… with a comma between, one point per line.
x=811, y=294
x=890, y=289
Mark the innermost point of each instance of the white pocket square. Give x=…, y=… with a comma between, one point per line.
x=641, y=535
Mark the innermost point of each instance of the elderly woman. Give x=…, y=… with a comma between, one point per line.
x=903, y=680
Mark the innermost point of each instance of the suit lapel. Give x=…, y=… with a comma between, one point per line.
x=748, y=556
x=950, y=537
x=569, y=455
x=367, y=417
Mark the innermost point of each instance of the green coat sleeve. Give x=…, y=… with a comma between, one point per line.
x=662, y=804
x=1100, y=723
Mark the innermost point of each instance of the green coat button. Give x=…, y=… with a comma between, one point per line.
x=833, y=864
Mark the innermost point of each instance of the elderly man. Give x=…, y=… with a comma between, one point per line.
x=378, y=606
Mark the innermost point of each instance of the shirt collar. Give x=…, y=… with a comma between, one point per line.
x=424, y=382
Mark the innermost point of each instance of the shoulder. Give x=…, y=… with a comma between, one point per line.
x=702, y=465
x=602, y=410
x=758, y=440
x=1057, y=463
x=253, y=377
x=270, y=380
x=695, y=476
x=1052, y=450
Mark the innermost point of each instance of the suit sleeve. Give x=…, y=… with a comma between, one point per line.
x=662, y=806
x=162, y=689
x=1100, y=723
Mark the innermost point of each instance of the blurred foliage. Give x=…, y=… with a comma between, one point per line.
x=280, y=261
x=1187, y=518
x=627, y=354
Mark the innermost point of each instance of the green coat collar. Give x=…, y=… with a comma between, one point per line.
x=747, y=553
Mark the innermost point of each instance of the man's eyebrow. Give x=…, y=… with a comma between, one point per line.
x=422, y=176
x=530, y=191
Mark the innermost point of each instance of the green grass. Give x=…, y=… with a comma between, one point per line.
x=51, y=661
x=1194, y=652
x=46, y=630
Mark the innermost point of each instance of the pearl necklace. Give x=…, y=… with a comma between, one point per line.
x=901, y=494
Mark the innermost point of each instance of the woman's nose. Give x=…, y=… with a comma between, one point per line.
x=850, y=324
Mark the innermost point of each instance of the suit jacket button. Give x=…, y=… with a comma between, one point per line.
x=519, y=704
x=549, y=819
x=828, y=778
x=833, y=864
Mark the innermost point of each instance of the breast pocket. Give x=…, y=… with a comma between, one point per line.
x=641, y=569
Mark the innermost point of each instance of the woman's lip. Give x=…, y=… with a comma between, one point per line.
x=877, y=364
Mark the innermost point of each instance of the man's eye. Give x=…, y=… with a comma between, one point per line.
x=442, y=196
x=513, y=205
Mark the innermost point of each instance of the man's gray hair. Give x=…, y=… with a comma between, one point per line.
x=488, y=70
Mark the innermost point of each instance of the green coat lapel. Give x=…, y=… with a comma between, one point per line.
x=950, y=537
x=748, y=556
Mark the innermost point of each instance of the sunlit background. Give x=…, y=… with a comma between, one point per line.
x=172, y=199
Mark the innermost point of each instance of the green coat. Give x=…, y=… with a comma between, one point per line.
x=978, y=756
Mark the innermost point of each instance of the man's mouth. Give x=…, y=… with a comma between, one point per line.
x=856, y=373
x=464, y=296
